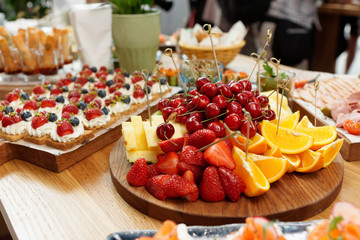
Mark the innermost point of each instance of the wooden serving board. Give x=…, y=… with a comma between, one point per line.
x=294, y=197
x=350, y=150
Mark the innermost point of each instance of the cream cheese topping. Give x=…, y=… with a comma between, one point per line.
x=16, y=128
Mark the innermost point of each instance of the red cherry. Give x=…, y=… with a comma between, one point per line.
x=218, y=128
x=193, y=124
x=246, y=84
x=201, y=81
x=212, y=110
x=209, y=89
x=225, y=91
x=165, y=131
x=162, y=104
x=255, y=93
x=236, y=87
x=166, y=112
x=263, y=101
x=180, y=110
x=234, y=107
x=176, y=102
x=268, y=114
x=198, y=115
x=254, y=109
x=233, y=121
x=204, y=101
x=192, y=94
x=193, y=103
x=220, y=101
x=255, y=100
x=252, y=128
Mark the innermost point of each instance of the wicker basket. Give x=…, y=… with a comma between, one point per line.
x=224, y=54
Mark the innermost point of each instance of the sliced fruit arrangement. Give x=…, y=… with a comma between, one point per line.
x=197, y=145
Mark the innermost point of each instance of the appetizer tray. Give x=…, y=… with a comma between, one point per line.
x=291, y=230
x=350, y=150
x=294, y=197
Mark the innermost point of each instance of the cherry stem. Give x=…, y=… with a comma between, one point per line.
x=187, y=113
x=221, y=114
x=236, y=132
x=213, y=143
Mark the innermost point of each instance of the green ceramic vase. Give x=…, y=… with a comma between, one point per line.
x=136, y=39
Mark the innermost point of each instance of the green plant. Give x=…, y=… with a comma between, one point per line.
x=131, y=6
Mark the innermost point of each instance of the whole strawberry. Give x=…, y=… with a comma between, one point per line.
x=210, y=187
x=155, y=186
x=171, y=145
x=190, y=156
x=201, y=138
x=138, y=173
x=233, y=184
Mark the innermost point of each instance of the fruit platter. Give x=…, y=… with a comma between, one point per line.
x=220, y=153
x=57, y=125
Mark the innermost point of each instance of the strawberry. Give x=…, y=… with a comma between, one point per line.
x=66, y=115
x=64, y=128
x=89, y=97
x=119, y=78
x=196, y=170
x=38, y=121
x=1, y=115
x=100, y=85
x=178, y=186
x=115, y=87
x=55, y=91
x=66, y=81
x=82, y=80
x=151, y=169
x=91, y=113
x=30, y=105
x=70, y=108
x=233, y=184
x=219, y=155
x=190, y=156
x=194, y=195
x=201, y=138
x=38, y=90
x=229, y=144
x=48, y=103
x=74, y=93
x=186, y=138
x=11, y=96
x=7, y=121
x=172, y=145
x=4, y=103
x=155, y=186
x=97, y=103
x=210, y=186
x=167, y=164
x=138, y=173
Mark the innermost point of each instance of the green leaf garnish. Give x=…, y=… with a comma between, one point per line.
x=332, y=226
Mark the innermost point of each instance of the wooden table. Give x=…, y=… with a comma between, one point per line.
x=82, y=203
x=326, y=39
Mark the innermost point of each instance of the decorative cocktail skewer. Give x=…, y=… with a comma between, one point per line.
x=158, y=68
x=169, y=52
x=207, y=29
x=276, y=64
x=316, y=88
x=248, y=117
x=284, y=88
x=145, y=74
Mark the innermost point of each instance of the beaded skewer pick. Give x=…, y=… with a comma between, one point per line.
x=276, y=64
x=145, y=74
x=169, y=52
x=158, y=68
x=207, y=28
x=316, y=88
x=248, y=117
x=284, y=88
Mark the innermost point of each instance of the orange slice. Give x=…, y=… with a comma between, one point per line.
x=289, y=141
x=310, y=161
x=293, y=161
x=304, y=122
x=322, y=135
x=257, y=144
x=168, y=230
x=273, y=152
x=290, y=121
x=255, y=181
x=330, y=151
x=273, y=168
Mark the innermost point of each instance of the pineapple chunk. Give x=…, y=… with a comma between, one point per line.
x=157, y=120
x=128, y=133
x=180, y=129
x=141, y=143
x=151, y=137
x=150, y=156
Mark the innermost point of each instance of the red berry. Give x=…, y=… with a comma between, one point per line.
x=100, y=85
x=10, y=97
x=255, y=93
x=232, y=184
x=173, y=145
x=263, y=101
x=212, y=110
x=233, y=121
x=167, y=164
x=192, y=124
x=201, y=138
x=234, y=107
x=70, y=108
x=166, y=112
x=89, y=97
x=82, y=80
x=196, y=170
x=165, y=131
x=155, y=186
x=246, y=84
x=50, y=103
x=204, y=101
x=138, y=173
x=7, y=120
x=75, y=94
x=180, y=110
x=190, y=156
x=55, y=91
x=162, y=104
x=66, y=115
x=219, y=155
x=201, y=81
x=198, y=115
x=225, y=91
x=64, y=128
x=38, y=121
x=268, y=114
x=209, y=89
x=210, y=187
x=30, y=105
x=242, y=99
x=151, y=169
x=252, y=128
x=236, y=87
x=38, y=90
x=220, y=101
x=92, y=113
x=254, y=109
x=218, y=128
x=176, y=102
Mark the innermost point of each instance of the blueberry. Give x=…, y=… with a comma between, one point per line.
x=127, y=86
x=73, y=79
x=41, y=98
x=60, y=99
x=52, y=117
x=126, y=74
x=126, y=99
x=84, y=91
x=105, y=110
x=48, y=87
x=8, y=109
x=162, y=80
x=101, y=93
x=109, y=82
x=25, y=115
x=91, y=79
x=65, y=89
x=148, y=89
x=24, y=96
x=111, y=71
x=82, y=105
x=74, y=121
x=93, y=69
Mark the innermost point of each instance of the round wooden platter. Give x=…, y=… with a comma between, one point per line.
x=294, y=197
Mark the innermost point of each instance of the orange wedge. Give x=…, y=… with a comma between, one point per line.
x=273, y=168
x=255, y=181
x=289, y=141
x=322, y=135
x=310, y=161
x=273, y=152
x=304, y=122
x=330, y=151
x=293, y=161
x=290, y=121
x=257, y=144
x=168, y=230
